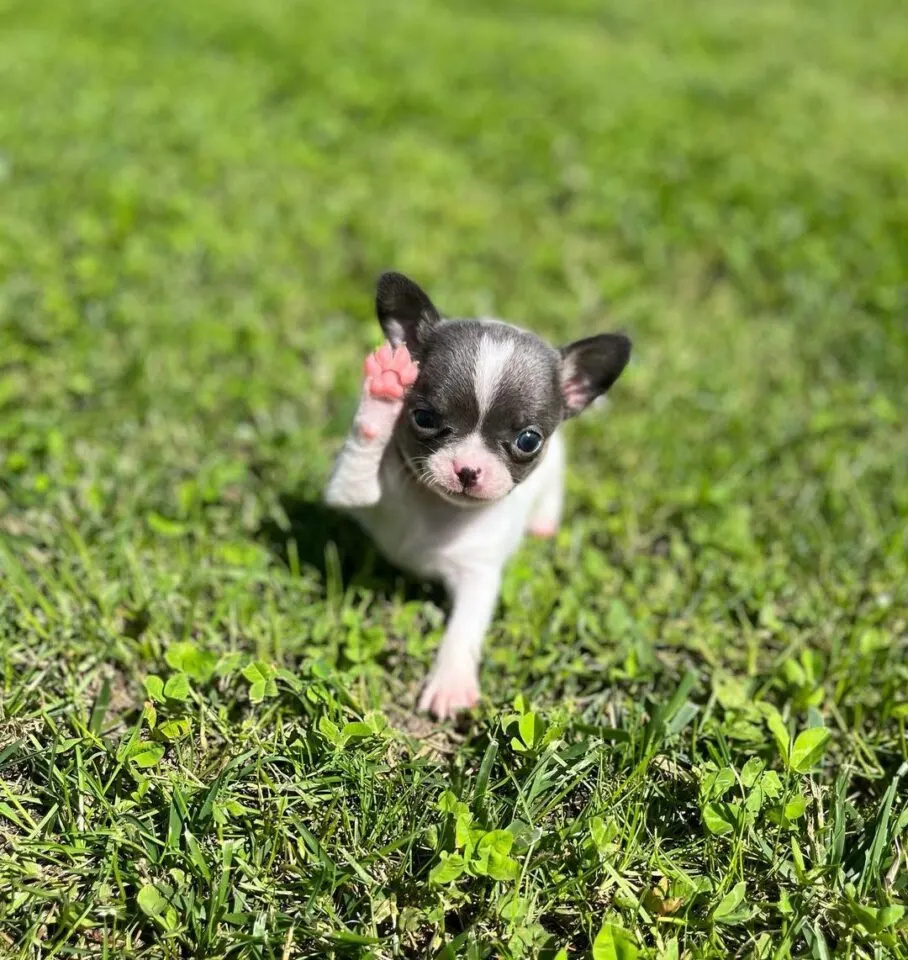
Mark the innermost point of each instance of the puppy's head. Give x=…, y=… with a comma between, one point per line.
x=488, y=396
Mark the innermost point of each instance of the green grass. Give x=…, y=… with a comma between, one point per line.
x=195, y=200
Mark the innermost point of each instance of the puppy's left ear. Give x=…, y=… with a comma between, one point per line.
x=589, y=367
x=405, y=312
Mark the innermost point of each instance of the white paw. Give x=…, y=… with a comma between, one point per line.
x=546, y=529
x=450, y=689
x=389, y=375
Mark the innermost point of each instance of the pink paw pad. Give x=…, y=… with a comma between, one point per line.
x=447, y=694
x=544, y=530
x=390, y=372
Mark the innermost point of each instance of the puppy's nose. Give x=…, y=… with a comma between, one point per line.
x=468, y=475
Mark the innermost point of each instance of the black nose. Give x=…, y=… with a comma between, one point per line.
x=467, y=476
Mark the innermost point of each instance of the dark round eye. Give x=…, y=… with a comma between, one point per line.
x=426, y=420
x=528, y=441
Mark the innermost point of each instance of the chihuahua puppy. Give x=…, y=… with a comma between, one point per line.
x=456, y=451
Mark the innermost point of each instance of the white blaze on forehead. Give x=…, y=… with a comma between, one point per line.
x=492, y=361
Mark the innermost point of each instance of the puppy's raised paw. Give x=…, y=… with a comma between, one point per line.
x=389, y=375
x=390, y=372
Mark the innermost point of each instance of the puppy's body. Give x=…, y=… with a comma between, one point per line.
x=454, y=456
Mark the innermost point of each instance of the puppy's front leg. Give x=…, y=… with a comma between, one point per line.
x=453, y=683
x=354, y=480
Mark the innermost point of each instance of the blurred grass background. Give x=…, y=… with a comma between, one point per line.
x=195, y=201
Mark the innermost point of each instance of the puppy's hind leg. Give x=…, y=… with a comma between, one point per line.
x=545, y=517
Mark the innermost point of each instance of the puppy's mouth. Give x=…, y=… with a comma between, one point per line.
x=461, y=496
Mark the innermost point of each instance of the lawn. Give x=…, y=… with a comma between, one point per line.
x=692, y=741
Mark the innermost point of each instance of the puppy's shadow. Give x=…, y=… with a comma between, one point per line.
x=317, y=534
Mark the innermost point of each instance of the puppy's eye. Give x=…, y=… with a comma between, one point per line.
x=528, y=442
x=426, y=421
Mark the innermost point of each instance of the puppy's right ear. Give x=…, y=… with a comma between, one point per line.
x=404, y=311
x=589, y=367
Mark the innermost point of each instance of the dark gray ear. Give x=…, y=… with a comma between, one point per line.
x=404, y=311
x=589, y=367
